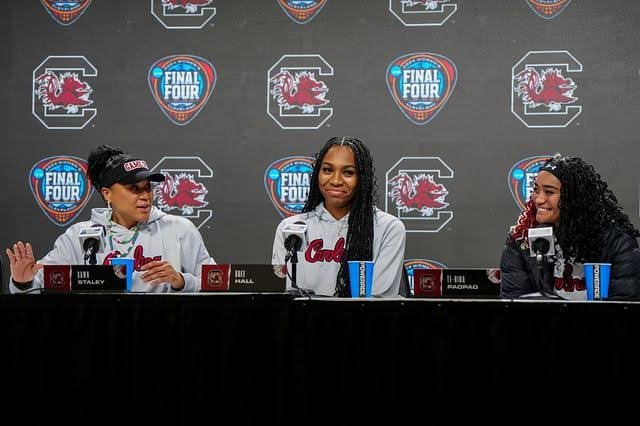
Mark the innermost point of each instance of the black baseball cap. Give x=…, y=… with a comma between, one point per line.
x=131, y=171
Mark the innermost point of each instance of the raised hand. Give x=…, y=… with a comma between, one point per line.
x=22, y=263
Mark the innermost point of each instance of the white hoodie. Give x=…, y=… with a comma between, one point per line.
x=163, y=237
x=319, y=264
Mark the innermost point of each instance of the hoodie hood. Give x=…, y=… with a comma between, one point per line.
x=100, y=216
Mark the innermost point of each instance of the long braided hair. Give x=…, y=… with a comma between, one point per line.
x=359, y=244
x=587, y=209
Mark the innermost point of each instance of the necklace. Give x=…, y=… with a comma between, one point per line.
x=126, y=242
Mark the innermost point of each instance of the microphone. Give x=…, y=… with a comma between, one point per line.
x=91, y=240
x=295, y=239
x=541, y=242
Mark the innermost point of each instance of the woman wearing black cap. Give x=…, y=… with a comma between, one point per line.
x=588, y=226
x=168, y=250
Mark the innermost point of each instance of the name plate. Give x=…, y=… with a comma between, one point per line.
x=438, y=282
x=243, y=278
x=84, y=278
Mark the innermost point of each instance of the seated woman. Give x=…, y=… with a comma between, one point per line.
x=344, y=224
x=588, y=226
x=168, y=250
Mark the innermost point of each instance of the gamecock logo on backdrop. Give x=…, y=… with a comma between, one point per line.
x=183, y=191
x=302, y=11
x=182, y=85
x=412, y=264
x=548, y=8
x=66, y=12
x=287, y=182
x=183, y=14
x=297, y=92
x=62, y=91
x=61, y=187
x=422, y=13
x=522, y=177
x=421, y=84
x=416, y=193
x=543, y=89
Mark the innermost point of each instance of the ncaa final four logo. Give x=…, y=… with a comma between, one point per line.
x=181, y=86
x=543, y=89
x=302, y=11
x=522, y=178
x=62, y=92
x=416, y=193
x=183, y=14
x=297, y=91
x=287, y=182
x=183, y=191
x=66, y=12
x=548, y=9
x=422, y=13
x=421, y=84
x=61, y=187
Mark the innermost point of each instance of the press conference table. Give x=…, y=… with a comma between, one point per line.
x=273, y=359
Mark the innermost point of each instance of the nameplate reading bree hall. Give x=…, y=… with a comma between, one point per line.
x=244, y=278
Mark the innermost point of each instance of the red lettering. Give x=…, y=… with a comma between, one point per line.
x=139, y=260
x=316, y=253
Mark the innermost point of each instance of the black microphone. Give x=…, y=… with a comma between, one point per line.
x=295, y=239
x=91, y=240
x=541, y=242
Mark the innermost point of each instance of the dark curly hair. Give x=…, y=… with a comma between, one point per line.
x=359, y=244
x=586, y=203
x=102, y=159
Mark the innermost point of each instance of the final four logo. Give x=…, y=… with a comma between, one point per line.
x=522, y=177
x=287, y=182
x=66, y=12
x=416, y=193
x=297, y=92
x=183, y=191
x=302, y=11
x=421, y=13
x=548, y=8
x=183, y=14
x=62, y=92
x=181, y=85
x=61, y=187
x=421, y=84
x=543, y=89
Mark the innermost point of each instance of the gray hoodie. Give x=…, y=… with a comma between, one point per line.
x=163, y=237
x=319, y=263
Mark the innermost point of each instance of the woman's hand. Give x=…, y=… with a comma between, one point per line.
x=161, y=271
x=22, y=263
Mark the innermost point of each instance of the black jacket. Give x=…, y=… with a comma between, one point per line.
x=521, y=274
